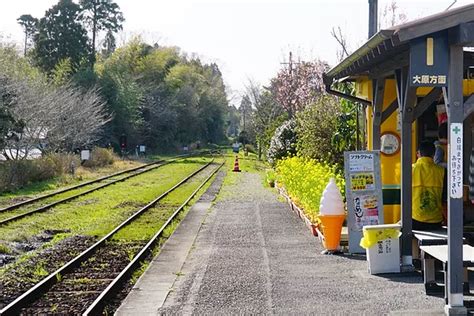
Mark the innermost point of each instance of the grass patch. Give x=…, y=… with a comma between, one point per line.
x=4, y=249
x=248, y=163
x=112, y=206
x=168, y=231
x=51, y=185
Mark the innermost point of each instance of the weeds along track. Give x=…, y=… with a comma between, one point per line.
x=47, y=201
x=90, y=281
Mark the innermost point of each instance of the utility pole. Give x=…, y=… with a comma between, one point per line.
x=290, y=71
x=373, y=17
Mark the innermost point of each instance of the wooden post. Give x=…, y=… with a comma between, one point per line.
x=455, y=201
x=406, y=96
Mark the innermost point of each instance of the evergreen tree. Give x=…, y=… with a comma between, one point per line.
x=109, y=45
x=101, y=15
x=30, y=26
x=60, y=36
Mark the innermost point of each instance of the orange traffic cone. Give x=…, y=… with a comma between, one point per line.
x=236, y=164
x=331, y=229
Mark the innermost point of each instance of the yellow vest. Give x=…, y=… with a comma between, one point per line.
x=427, y=191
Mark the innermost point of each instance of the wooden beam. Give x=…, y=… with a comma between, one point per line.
x=378, y=95
x=435, y=23
x=425, y=103
x=469, y=106
x=387, y=67
x=389, y=110
x=463, y=34
x=409, y=97
x=454, y=284
x=388, y=44
x=400, y=79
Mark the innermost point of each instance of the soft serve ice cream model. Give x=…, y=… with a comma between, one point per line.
x=331, y=215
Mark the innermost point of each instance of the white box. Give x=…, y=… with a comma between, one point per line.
x=384, y=256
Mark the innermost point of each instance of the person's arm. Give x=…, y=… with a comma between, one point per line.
x=439, y=157
x=471, y=176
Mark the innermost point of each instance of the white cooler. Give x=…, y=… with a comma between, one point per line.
x=384, y=256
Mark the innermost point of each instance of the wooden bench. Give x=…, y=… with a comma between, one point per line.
x=430, y=238
x=426, y=238
x=430, y=253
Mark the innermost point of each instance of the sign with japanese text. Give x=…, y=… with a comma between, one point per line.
x=429, y=60
x=455, y=160
x=361, y=162
x=363, y=194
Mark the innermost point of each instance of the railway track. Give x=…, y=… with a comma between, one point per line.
x=23, y=209
x=86, y=283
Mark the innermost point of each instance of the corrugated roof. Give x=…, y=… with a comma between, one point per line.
x=392, y=41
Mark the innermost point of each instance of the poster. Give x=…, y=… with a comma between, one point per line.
x=362, y=181
x=363, y=194
x=365, y=211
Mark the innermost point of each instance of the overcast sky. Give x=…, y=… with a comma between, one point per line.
x=248, y=39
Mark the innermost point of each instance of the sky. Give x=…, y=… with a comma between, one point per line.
x=248, y=39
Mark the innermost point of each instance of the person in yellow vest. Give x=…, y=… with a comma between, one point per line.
x=427, y=210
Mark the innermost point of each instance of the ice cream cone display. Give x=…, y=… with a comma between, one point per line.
x=331, y=215
x=331, y=229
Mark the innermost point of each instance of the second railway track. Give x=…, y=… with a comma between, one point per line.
x=45, y=202
x=93, y=277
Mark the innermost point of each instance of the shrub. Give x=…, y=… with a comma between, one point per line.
x=54, y=165
x=15, y=174
x=305, y=180
x=250, y=148
x=316, y=126
x=271, y=176
x=283, y=142
x=100, y=157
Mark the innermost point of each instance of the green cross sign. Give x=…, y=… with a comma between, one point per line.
x=456, y=130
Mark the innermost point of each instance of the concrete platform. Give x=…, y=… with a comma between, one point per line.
x=253, y=255
x=152, y=288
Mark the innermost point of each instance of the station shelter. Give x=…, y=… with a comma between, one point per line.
x=410, y=78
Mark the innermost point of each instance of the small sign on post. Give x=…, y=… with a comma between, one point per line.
x=455, y=152
x=142, y=149
x=363, y=194
x=85, y=154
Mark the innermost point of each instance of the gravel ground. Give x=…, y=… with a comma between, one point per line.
x=254, y=256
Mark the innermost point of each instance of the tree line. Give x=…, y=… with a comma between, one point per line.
x=63, y=91
x=294, y=115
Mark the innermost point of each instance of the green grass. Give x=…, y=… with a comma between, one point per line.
x=98, y=212
x=137, y=230
x=152, y=220
x=4, y=249
x=112, y=205
x=248, y=163
x=51, y=185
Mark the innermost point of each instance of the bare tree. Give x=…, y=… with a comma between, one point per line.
x=341, y=39
x=266, y=111
x=54, y=119
x=391, y=15
x=77, y=118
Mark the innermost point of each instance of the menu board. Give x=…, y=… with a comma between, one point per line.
x=363, y=194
